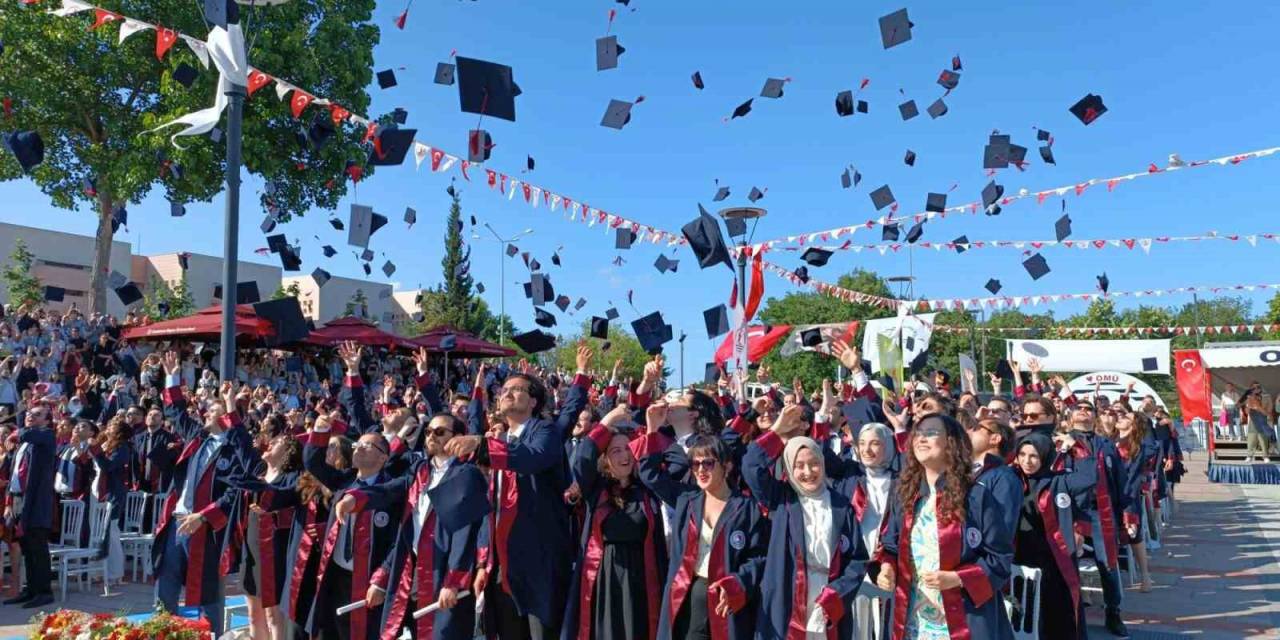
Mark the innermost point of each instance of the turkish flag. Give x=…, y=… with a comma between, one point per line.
x=300, y=101
x=760, y=341
x=1193, y=386
x=257, y=80
x=102, y=16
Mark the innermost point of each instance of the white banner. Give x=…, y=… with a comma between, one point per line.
x=914, y=332
x=1128, y=356
x=1227, y=357
x=1112, y=384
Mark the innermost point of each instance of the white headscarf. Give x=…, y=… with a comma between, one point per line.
x=819, y=531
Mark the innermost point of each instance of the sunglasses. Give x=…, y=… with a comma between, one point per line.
x=928, y=432
x=706, y=464
x=1032, y=415
x=369, y=445
x=441, y=432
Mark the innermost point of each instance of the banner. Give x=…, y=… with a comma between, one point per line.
x=909, y=333
x=1112, y=384
x=1128, y=356
x=1227, y=356
x=844, y=331
x=1174, y=330
x=1193, y=386
x=760, y=340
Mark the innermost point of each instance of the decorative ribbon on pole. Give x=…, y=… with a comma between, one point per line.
x=226, y=48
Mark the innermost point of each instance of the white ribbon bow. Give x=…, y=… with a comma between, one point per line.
x=226, y=49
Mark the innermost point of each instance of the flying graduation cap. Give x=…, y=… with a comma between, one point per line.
x=697, y=80
x=27, y=148
x=543, y=318
x=1104, y=283
x=755, y=195
x=1062, y=228
x=772, y=88
x=652, y=332
x=534, y=341
x=844, y=103
x=742, y=110
x=444, y=73
x=391, y=146
x=617, y=115
x=706, y=241
x=993, y=286
x=882, y=197
x=908, y=110
x=487, y=88
x=1036, y=266
x=364, y=223
x=664, y=264
x=716, y=320
x=816, y=257
x=936, y=202
x=607, y=52
x=387, y=78
x=1088, y=108
x=599, y=327
x=937, y=109
x=895, y=29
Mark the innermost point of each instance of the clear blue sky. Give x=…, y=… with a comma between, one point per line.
x=1188, y=77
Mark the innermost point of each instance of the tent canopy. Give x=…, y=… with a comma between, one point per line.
x=468, y=346
x=205, y=325
x=356, y=330
x=1242, y=363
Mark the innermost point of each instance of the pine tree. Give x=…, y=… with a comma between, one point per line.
x=22, y=287
x=457, y=285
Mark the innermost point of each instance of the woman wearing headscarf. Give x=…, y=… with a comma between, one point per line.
x=872, y=495
x=718, y=542
x=947, y=550
x=1044, y=538
x=816, y=559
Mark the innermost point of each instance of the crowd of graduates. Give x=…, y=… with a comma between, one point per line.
x=360, y=497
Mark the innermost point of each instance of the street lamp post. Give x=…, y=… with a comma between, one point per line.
x=743, y=213
x=231, y=234
x=502, y=275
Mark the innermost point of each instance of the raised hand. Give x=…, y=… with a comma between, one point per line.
x=655, y=416
x=617, y=366
x=583, y=357
x=848, y=355
x=350, y=353
x=1034, y=366
x=171, y=364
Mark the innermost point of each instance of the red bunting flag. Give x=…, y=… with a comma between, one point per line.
x=338, y=114
x=102, y=16
x=300, y=101
x=164, y=41
x=258, y=80
x=400, y=19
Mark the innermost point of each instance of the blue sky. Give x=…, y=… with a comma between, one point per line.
x=1187, y=77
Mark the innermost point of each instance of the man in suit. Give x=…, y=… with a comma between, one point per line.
x=31, y=501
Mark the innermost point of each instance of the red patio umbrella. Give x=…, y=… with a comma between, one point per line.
x=468, y=346
x=205, y=324
x=359, y=331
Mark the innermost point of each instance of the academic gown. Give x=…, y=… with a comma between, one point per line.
x=1005, y=486
x=738, y=545
x=1044, y=540
x=266, y=543
x=1097, y=458
x=83, y=471
x=1134, y=488
x=980, y=551
x=445, y=552
x=615, y=591
x=783, y=610
x=111, y=486
x=867, y=626
x=302, y=562
x=144, y=443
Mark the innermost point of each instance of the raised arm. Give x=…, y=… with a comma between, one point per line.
x=577, y=396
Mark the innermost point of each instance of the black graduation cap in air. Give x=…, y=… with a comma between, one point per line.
x=479, y=287
x=895, y=28
x=410, y=216
x=290, y=260
x=993, y=286
x=277, y=242
x=936, y=202
x=388, y=268
x=529, y=163
x=185, y=75
x=336, y=224
x=329, y=251
x=735, y=227
x=268, y=223
x=697, y=80
x=882, y=197
x=1036, y=266
x=711, y=374
x=664, y=264
x=617, y=115
x=534, y=341
x=487, y=87
x=816, y=257
x=802, y=274
x=1088, y=108
x=915, y=232
x=961, y=244
x=948, y=79
x=1046, y=154
x=444, y=73
x=367, y=269
x=221, y=13
x=599, y=327
x=54, y=294
x=755, y=194
x=910, y=158
x=286, y=315
x=479, y=145
x=387, y=78
x=704, y=237
x=811, y=337
x=563, y=302
x=862, y=106
x=119, y=218
x=721, y=194
x=543, y=318
x=364, y=223
x=582, y=302
x=320, y=276
x=996, y=154
x=184, y=260
x=742, y=109
x=1062, y=228
x=512, y=250
x=844, y=103
x=246, y=292
x=129, y=294
x=399, y=115
x=623, y=237
x=611, y=313
x=534, y=265
x=652, y=332
x=716, y=320
x=846, y=180
x=607, y=52
x=539, y=289
x=391, y=146
x=908, y=110
x=990, y=195
x=115, y=280
x=177, y=209
x=889, y=232
x=937, y=109
x=772, y=88
x=1104, y=282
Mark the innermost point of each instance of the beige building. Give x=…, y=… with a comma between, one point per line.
x=64, y=260
x=204, y=273
x=323, y=304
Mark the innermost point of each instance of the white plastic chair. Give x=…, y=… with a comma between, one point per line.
x=137, y=545
x=81, y=563
x=134, y=506
x=1023, y=603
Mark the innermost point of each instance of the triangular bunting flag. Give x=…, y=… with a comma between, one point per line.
x=130, y=27
x=165, y=38
x=257, y=80
x=300, y=101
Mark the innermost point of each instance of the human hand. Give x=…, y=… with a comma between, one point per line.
x=848, y=355
x=189, y=524
x=886, y=579
x=462, y=446
x=345, y=507
x=448, y=598
x=655, y=416
x=374, y=596
x=583, y=358
x=482, y=579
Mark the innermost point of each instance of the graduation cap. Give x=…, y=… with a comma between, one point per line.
x=846, y=180
x=1062, y=228
x=716, y=320
x=185, y=75
x=844, y=103
x=721, y=194
x=889, y=232
x=534, y=341
x=742, y=109
x=336, y=224
x=539, y=289
x=1046, y=154
x=665, y=264
x=246, y=292
x=562, y=302
x=816, y=257
x=391, y=146
x=1017, y=155
x=364, y=223
x=895, y=29
x=617, y=115
x=410, y=216
x=290, y=260
x=607, y=52
x=320, y=276
x=1036, y=266
x=461, y=500
x=623, y=237
x=915, y=232
x=177, y=209
x=936, y=202
x=399, y=115
x=582, y=302
x=277, y=242
x=1088, y=108
x=652, y=332
x=772, y=88
x=534, y=265
x=221, y=13
x=1104, y=282
x=529, y=163
x=286, y=315
x=54, y=294
x=862, y=106
x=115, y=280
x=367, y=269
x=697, y=80
x=129, y=294
x=910, y=158
x=961, y=244
x=479, y=145
x=184, y=260
x=882, y=197
x=811, y=337
x=367, y=255
x=802, y=274
x=711, y=374
x=599, y=327
x=948, y=79
x=736, y=227
x=755, y=194
x=388, y=268
x=119, y=218
x=543, y=318
x=991, y=194
x=329, y=251
x=512, y=250
x=996, y=154
x=268, y=223
x=487, y=88
x=1005, y=371
x=704, y=237
x=387, y=78
x=444, y=73
x=479, y=287
x=937, y=109
x=993, y=286
x=908, y=110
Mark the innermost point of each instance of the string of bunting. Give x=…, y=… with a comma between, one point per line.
x=440, y=161
x=1041, y=195
x=1000, y=302
x=1176, y=330
x=1128, y=243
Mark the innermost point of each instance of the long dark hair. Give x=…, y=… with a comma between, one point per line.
x=309, y=487
x=952, y=500
x=710, y=421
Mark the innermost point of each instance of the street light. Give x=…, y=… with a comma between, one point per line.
x=502, y=277
x=742, y=214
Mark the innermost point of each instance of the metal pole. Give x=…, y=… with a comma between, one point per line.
x=742, y=278
x=502, y=295
x=682, y=337
x=231, y=234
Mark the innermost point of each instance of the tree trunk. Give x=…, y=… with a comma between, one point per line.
x=101, y=256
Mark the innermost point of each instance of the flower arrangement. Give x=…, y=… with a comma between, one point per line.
x=68, y=624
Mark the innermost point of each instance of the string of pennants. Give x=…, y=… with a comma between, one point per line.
x=1176, y=330
x=1127, y=243
x=440, y=160
x=1175, y=164
x=999, y=302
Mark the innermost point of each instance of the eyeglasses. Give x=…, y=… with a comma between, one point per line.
x=440, y=432
x=514, y=389
x=1031, y=415
x=705, y=464
x=367, y=446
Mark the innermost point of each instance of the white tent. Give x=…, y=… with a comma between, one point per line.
x=1241, y=363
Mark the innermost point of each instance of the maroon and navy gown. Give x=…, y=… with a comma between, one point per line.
x=302, y=562
x=1045, y=540
x=266, y=543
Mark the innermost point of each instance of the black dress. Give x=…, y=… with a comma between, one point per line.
x=621, y=604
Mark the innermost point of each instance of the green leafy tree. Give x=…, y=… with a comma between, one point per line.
x=92, y=101
x=163, y=301
x=22, y=287
x=357, y=306
x=622, y=344
x=290, y=291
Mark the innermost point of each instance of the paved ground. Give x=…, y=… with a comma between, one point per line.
x=1217, y=577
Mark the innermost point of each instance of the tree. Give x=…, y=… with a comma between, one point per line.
x=92, y=101
x=22, y=287
x=163, y=302
x=291, y=291
x=456, y=306
x=622, y=344
x=357, y=306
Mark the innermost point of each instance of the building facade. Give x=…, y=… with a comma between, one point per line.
x=64, y=260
